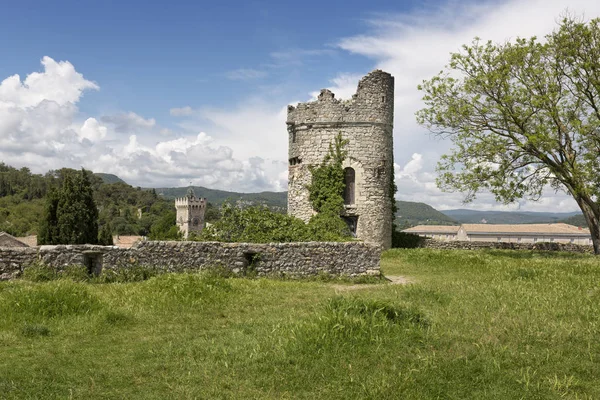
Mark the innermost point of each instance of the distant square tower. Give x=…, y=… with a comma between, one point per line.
x=190, y=213
x=367, y=121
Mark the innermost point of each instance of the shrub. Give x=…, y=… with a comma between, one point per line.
x=258, y=224
x=405, y=240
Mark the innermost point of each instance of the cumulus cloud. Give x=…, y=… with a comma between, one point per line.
x=129, y=122
x=41, y=127
x=59, y=83
x=416, y=46
x=92, y=130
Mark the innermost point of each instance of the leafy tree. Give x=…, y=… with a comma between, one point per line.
x=522, y=116
x=166, y=227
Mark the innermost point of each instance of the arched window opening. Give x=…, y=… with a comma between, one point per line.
x=349, y=181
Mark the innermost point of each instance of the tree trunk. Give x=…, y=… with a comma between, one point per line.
x=592, y=216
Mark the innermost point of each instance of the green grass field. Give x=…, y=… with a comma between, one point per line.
x=472, y=325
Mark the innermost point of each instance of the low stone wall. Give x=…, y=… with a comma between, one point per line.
x=464, y=245
x=14, y=259
x=349, y=258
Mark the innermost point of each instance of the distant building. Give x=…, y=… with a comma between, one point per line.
x=30, y=240
x=190, y=213
x=439, y=232
x=520, y=233
x=7, y=240
x=126, y=242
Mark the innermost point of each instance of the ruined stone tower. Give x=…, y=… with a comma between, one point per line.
x=367, y=122
x=190, y=213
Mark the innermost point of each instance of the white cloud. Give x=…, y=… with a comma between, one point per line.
x=59, y=83
x=41, y=128
x=417, y=46
x=129, y=122
x=92, y=130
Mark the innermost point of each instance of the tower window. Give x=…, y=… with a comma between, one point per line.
x=295, y=161
x=349, y=182
x=293, y=137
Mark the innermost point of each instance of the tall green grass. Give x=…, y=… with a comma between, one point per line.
x=473, y=325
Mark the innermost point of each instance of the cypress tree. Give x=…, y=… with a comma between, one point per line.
x=105, y=238
x=77, y=215
x=48, y=232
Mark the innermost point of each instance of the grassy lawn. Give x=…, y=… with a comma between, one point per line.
x=485, y=324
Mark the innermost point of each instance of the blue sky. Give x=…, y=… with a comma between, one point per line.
x=152, y=56
x=164, y=93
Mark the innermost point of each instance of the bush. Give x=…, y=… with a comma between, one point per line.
x=258, y=224
x=403, y=240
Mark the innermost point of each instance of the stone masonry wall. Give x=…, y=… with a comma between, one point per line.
x=350, y=258
x=367, y=122
x=463, y=245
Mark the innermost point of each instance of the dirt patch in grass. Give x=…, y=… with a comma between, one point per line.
x=392, y=279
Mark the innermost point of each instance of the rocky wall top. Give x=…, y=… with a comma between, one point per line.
x=373, y=103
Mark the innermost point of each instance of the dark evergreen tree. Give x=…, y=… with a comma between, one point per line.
x=77, y=215
x=48, y=229
x=105, y=238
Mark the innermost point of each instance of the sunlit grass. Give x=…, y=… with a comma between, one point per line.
x=485, y=324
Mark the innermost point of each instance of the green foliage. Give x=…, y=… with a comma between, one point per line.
x=48, y=226
x=412, y=213
x=326, y=190
x=54, y=299
x=522, y=116
x=71, y=216
x=276, y=201
x=258, y=224
x=44, y=273
x=254, y=225
x=403, y=240
x=165, y=227
x=105, y=237
x=39, y=273
x=24, y=211
x=471, y=325
x=135, y=273
x=327, y=226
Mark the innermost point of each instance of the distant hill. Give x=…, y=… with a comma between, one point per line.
x=412, y=213
x=277, y=200
x=577, y=220
x=109, y=178
x=409, y=213
x=506, y=217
